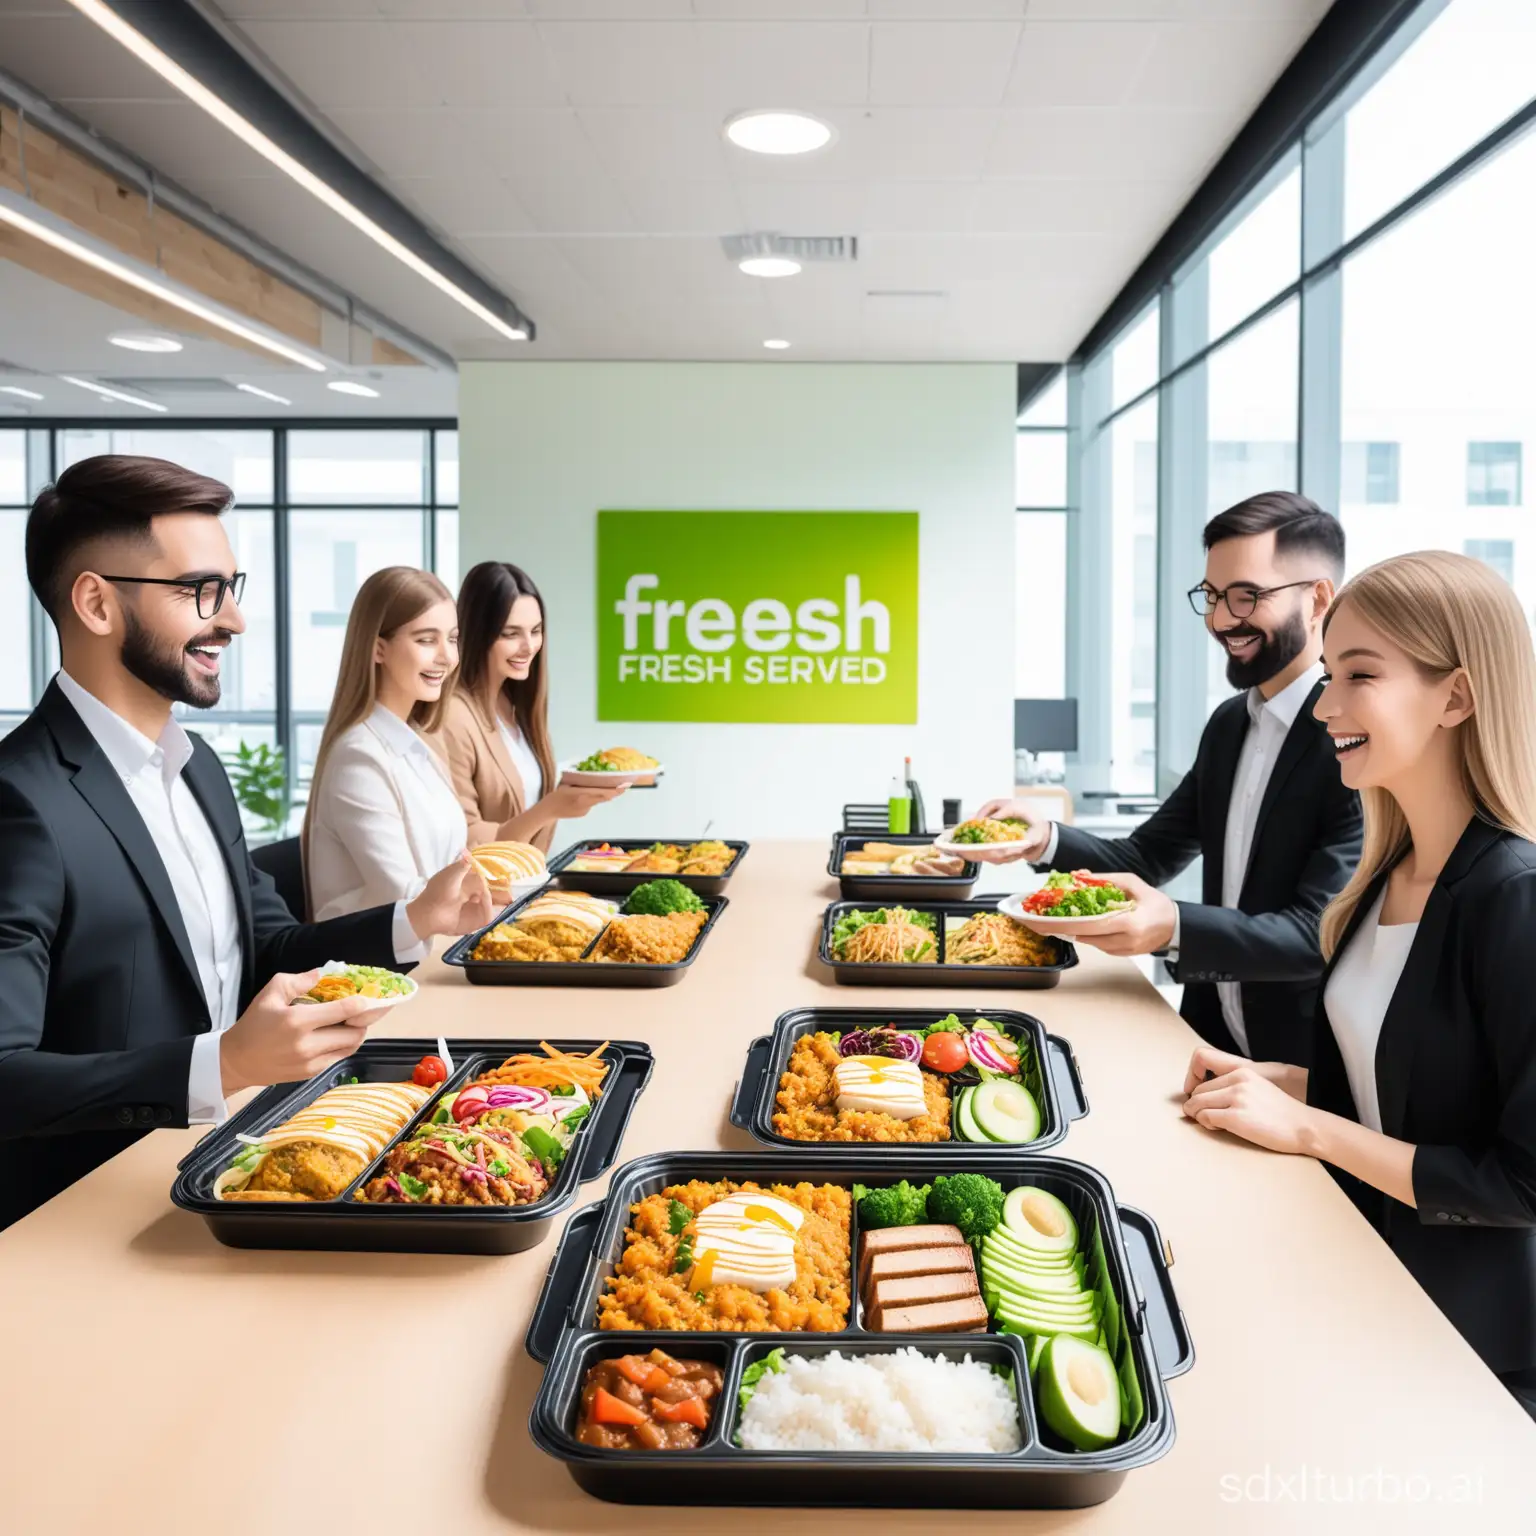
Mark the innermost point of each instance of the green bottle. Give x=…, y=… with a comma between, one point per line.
x=898, y=807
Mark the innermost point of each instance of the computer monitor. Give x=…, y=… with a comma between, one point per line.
x=1045, y=725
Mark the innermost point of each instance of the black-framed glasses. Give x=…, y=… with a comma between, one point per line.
x=1240, y=600
x=208, y=590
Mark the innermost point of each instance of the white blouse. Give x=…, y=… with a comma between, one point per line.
x=385, y=819
x=1357, y=997
x=524, y=761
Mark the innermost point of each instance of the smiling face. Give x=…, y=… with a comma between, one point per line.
x=165, y=643
x=1262, y=644
x=1387, y=716
x=415, y=661
x=520, y=641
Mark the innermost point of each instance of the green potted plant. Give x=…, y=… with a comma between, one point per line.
x=259, y=777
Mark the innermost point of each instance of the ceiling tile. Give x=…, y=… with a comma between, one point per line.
x=942, y=64
x=539, y=141
x=646, y=143
x=1224, y=66
x=421, y=142
x=559, y=206
x=684, y=207
x=918, y=207
x=917, y=144
x=465, y=205
x=785, y=64
x=805, y=208
x=1078, y=64
x=1107, y=143
x=948, y=10
x=780, y=10
x=625, y=64
x=1070, y=205
x=604, y=10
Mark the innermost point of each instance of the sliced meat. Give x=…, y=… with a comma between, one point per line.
x=968, y=1315
x=913, y=1290
x=918, y=1261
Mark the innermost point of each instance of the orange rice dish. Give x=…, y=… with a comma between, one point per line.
x=644, y=1292
x=807, y=1102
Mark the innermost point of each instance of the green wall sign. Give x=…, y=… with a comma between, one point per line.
x=757, y=616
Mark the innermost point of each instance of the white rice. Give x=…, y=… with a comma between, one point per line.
x=903, y=1401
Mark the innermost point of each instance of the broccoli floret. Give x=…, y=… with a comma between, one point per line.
x=658, y=897
x=970, y=1201
x=898, y=1205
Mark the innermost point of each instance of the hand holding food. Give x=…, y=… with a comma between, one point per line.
x=570, y=802
x=1138, y=919
x=274, y=1042
x=338, y=980
x=617, y=760
x=1036, y=836
x=455, y=900
x=507, y=864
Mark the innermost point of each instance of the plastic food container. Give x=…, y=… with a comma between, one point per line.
x=951, y=914
x=616, y=882
x=345, y=1223
x=1061, y=1101
x=573, y=973
x=900, y=888
x=1044, y=1474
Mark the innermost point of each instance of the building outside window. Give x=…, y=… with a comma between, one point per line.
x=1368, y=474
x=1493, y=474
x=1496, y=554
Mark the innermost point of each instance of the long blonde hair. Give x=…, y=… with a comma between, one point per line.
x=1448, y=612
x=385, y=601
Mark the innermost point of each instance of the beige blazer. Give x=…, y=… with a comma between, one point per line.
x=489, y=787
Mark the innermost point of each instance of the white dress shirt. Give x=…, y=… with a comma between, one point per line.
x=1357, y=997
x=384, y=821
x=1270, y=722
x=151, y=772
x=523, y=760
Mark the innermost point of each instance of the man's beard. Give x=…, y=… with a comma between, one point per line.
x=1277, y=650
x=168, y=670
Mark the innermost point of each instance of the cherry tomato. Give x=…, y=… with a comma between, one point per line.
x=470, y=1103
x=430, y=1071
x=944, y=1053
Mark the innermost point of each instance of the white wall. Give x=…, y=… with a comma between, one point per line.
x=543, y=446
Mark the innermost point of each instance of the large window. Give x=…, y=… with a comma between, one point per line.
x=1359, y=326
x=342, y=501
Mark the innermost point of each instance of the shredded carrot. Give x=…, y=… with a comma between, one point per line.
x=552, y=1069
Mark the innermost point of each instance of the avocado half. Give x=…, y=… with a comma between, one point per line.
x=1079, y=1392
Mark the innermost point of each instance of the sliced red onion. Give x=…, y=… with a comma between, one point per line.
x=474, y=1176
x=984, y=1050
x=393, y=1186
x=471, y=1101
x=883, y=1040
x=535, y=1101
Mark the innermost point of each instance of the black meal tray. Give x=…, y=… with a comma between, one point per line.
x=902, y=888
x=617, y=883
x=1061, y=1101
x=571, y=973
x=885, y=973
x=1044, y=1474
x=348, y=1224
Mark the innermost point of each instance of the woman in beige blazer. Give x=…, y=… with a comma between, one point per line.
x=496, y=726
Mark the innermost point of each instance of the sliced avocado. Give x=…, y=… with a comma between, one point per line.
x=1032, y=1282
x=1034, y=1347
x=1008, y=1242
x=1079, y=1392
x=1022, y=1320
x=1039, y=1220
x=1005, y=1110
x=1086, y=1309
x=962, y=1121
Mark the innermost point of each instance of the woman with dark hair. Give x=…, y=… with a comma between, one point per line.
x=497, y=722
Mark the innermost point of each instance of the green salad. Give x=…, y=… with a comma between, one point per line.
x=1076, y=895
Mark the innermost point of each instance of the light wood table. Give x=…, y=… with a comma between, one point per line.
x=156, y=1382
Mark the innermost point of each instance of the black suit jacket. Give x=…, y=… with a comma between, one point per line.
x=1306, y=844
x=1456, y=1076
x=99, y=992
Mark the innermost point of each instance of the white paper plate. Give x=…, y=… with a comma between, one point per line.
x=968, y=850
x=1055, y=927
x=337, y=967
x=593, y=778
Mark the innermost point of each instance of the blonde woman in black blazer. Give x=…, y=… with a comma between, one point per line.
x=1422, y=1092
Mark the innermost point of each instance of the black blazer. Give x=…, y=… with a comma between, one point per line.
x=1456, y=1076
x=1306, y=844
x=99, y=992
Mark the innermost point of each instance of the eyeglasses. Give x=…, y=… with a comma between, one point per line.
x=1240, y=600
x=209, y=590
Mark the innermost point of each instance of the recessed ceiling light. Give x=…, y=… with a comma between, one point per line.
x=352, y=387
x=264, y=394
x=106, y=17
x=145, y=341
x=776, y=345
x=113, y=394
x=16, y=389
x=777, y=133
x=769, y=266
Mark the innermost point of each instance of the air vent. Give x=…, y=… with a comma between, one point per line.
x=796, y=247
x=161, y=384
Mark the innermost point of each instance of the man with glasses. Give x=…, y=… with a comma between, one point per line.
x=146, y=966
x=1263, y=805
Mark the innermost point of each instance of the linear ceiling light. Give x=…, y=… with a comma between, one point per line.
x=16, y=389
x=35, y=220
x=195, y=91
x=112, y=394
x=264, y=394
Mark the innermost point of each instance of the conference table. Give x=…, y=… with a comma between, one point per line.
x=155, y=1381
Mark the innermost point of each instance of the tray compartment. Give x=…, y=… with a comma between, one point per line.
x=897, y=888
x=572, y=973
x=351, y=1225
x=879, y=973
x=618, y=883
x=752, y=1109
x=1043, y=1474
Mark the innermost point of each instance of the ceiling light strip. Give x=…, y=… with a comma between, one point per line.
x=195, y=91
x=264, y=394
x=35, y=220
x=113, y=394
